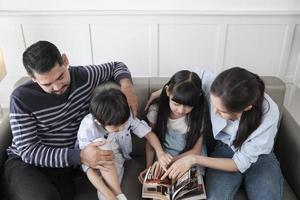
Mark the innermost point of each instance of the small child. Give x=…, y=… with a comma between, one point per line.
x=180, y=119
x=110, y=119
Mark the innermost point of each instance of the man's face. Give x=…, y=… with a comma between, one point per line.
x=56, y=81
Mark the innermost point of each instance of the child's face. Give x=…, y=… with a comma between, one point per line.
x=178, y=110
x=113, y=128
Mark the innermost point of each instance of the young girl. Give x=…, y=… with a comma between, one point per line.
x=181, y=117
x=110, y=120
x=244, y=120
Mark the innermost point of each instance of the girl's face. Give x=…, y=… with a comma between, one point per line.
x=178, y=110
x=219, y=109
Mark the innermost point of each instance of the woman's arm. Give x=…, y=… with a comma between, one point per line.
x=179, y=167
x=195, y=150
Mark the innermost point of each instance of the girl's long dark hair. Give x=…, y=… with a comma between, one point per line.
x=238, y=88
x=185, y=88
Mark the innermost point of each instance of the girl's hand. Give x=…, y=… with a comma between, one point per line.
x=164, y=160
x=157, y=170
x=153, y=96
x=142, y=175
x=179, y=167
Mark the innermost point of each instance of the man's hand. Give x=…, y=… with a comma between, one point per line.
x=94, y=157
x=153, y=96
x=128, y=90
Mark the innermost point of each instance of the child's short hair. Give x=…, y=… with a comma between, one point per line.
x=110, y=107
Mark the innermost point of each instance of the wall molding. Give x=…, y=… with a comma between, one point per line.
x=149, y=12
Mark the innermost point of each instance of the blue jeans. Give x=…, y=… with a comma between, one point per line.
x=263, y=180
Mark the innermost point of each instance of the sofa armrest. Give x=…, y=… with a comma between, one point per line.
x=5, y=138
x=287, y=149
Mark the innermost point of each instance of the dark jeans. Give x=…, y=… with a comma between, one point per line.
x=263, y=180
x=22, y=181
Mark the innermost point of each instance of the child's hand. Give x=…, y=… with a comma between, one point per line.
x=164, y=160
x=157, y=170
x=142, y=175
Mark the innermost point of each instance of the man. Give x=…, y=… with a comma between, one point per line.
x=45, y=114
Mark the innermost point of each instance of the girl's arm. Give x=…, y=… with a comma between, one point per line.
x=179, y=167
x=163, y=158
x=99, y=184
x=149, y=154
x=149, y=161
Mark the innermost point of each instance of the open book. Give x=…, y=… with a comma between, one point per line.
x=189, y=187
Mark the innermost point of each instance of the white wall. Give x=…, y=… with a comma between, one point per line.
x=150, y=5
x=157, y=39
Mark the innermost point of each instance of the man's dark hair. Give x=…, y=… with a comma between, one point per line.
x=41, y=57
x=110, y=107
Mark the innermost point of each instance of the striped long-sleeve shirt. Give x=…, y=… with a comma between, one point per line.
x=44, y=126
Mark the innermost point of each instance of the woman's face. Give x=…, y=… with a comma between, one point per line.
x=220, y=110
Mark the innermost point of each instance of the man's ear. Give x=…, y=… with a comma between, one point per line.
x=167, y=90
x=248, y=108
x=65, y=59
x=33, y=79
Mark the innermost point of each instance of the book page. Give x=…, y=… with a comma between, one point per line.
x=194, y=189
x=156, y=188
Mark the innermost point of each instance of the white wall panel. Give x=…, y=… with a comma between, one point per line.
x=187, y=47
x=71, y=39
x=129, y=43
x=294, y=57
x=157, y=42
x=256, y=47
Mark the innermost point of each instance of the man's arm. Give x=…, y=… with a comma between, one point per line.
x=120, y=73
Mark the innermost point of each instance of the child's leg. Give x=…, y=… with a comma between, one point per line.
x=98, y=182
x=112, y=180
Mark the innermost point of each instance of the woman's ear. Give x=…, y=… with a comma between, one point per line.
x=248, y=108
x=167, y=90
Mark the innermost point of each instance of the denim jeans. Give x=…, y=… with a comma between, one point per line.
x=263, y=180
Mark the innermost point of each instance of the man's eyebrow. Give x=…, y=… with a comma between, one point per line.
x=55, y=79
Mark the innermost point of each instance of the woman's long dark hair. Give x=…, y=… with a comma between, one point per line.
x=185, y=88
x=238, y=88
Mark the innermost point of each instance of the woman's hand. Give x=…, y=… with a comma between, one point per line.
x=153, y=96
x=179, y=167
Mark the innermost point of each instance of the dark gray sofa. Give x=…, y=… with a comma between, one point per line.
x=287, y=146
